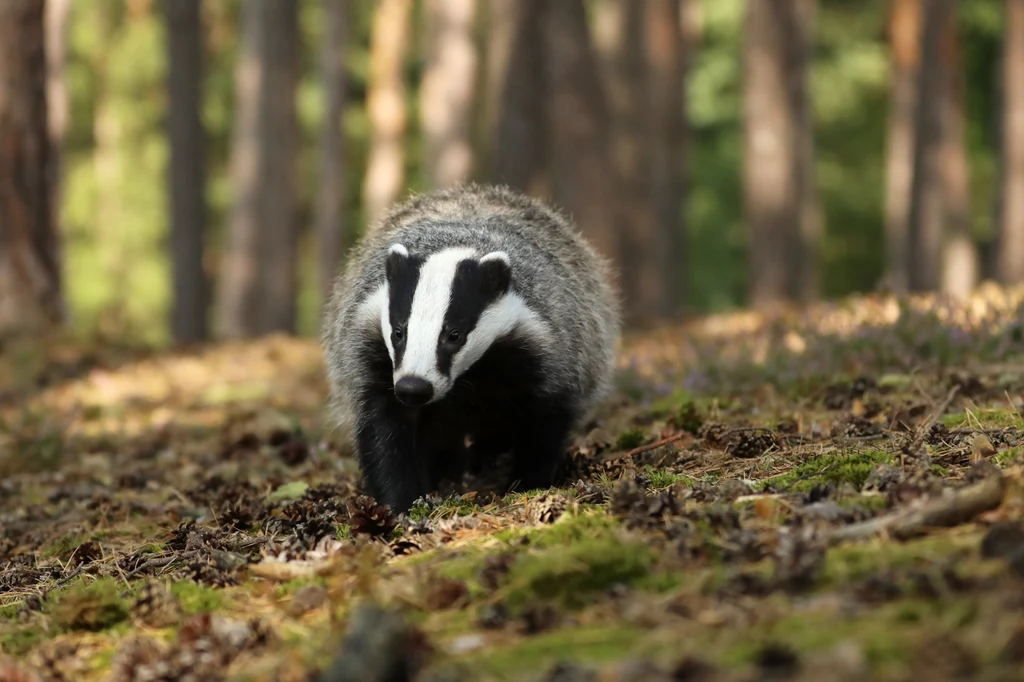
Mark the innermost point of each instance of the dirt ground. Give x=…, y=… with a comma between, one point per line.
x=830, y=493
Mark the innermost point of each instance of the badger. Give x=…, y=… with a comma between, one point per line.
x=475, y=319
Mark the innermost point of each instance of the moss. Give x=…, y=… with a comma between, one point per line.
x=599, y=644
x=662, y=479
x=852, y=468
x=848, y=563
x=629, y=439
x=1010, y=456
x=290, y=587
x=450, y=507
x=195, y=598
x=91, y=606
x=18, y=641
x=988, y=419
x=570, y=574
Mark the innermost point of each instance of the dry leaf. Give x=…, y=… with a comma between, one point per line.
x=981, y=448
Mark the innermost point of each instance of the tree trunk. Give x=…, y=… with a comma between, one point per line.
x=386, y=106
x=331, y=199
x=515, y=112
x=187, y=177
x=960, y=262
x=666, y=140
x=446, y=93
x=641, y=49
x=620, y=36
x=258, y=277
x=801, y=18
x=904, y=37
x=57, y=104
x=1010, y=259
x=927, y=207
x=583, y=177
x=777, y=183
x=30, y=280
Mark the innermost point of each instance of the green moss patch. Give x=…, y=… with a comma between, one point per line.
x=837, y=468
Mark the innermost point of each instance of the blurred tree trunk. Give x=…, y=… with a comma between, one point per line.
x=583, y=176
x=30, y=279
x=386, y=106
x=515, y=111
x=642, y=54
x=960, y=262
x=904, y=40
x=187, y=177
x=258, y=284
x=331, y=198
x=666, y=54
x=927, y=207
x=778, y=181
x=1010, y=259
x=57, y=104
x=446, y=93
x=801, y=18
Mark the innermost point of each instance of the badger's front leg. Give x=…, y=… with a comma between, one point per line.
x=393, y=468
x=539, y=445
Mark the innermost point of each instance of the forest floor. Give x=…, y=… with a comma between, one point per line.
x=832, y=493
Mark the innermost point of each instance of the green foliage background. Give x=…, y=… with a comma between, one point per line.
x=115, y=200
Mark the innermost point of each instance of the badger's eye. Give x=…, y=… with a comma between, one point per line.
x=454, y=336
x=397, y=333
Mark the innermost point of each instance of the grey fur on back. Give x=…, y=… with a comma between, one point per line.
x=557, y=273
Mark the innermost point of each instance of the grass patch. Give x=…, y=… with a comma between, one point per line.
x=663, y=479
x=852, y=468
x=196, y=598
x=570, y=575
x=995, y=418
x=629, y=439
x=592, y=645
x=93, y=606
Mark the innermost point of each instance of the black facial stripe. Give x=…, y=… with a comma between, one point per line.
x=469, y=298
x=402, y=281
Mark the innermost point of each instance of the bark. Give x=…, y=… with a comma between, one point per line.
x=620, y=35
x=778, y=182
x=515, y=112
x=641, y=49
x=1010, y=258
x=187, y=176
x=386, y=106
x=904, y=39
x=446, y=93
x=583, y=178
x=331, y=198
x=30, y=279
x=960, y=262
x=926, y=203
x=258, y=277
x=57, y=102
x=807, y=286
x=666, y=52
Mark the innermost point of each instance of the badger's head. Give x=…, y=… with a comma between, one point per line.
x=440, y=313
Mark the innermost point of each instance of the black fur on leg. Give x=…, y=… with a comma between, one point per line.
x=393, y=470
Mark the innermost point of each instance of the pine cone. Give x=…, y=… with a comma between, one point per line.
x=749, y=444
x=155, y=606
x=548, y=508
x=371, y=518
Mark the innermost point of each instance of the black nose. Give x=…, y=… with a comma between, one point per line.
x=413, y=391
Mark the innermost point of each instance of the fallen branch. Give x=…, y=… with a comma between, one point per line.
x=943, y=512
x=646, y=448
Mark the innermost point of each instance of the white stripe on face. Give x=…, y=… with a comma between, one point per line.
x=429, y=305
x=499, y=319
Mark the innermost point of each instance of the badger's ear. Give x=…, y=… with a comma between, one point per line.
x=497, y=272
x=397, y=257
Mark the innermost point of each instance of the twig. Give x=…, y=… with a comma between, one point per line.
x=153, y=563
x=944, y=512
x=922, y=430
x=646, y=448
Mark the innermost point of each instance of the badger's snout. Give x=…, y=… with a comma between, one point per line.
x=413, y=391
